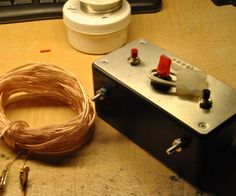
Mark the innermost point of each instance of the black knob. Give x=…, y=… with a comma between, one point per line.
x=206, y=102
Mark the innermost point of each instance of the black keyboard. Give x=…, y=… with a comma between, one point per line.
x=224, y=2
x=28, y=10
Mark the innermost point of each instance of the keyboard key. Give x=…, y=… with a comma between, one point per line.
x=22, y=2
x=46, y=1
x=62, y=1
x=5, y=3
x=28, y=10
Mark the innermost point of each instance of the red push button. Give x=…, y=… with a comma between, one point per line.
x=134, y=53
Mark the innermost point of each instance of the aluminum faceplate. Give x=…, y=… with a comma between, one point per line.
x=184, y=108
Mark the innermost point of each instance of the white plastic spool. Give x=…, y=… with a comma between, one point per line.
x=96, y=33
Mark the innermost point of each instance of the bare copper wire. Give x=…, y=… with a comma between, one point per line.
x=48, y=82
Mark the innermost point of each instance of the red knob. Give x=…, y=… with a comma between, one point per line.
x=163, y=68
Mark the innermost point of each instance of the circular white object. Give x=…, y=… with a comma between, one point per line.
x=100, y=6
x=100, y=2
x=96, y=33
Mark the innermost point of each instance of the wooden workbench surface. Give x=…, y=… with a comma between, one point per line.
x=196, y=31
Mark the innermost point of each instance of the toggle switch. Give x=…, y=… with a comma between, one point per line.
x=176, y=146
x=101, y=94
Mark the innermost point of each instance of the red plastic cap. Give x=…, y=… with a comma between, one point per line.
x=134, y=53
x=163, y=68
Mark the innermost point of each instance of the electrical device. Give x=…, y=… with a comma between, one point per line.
x=176, y=112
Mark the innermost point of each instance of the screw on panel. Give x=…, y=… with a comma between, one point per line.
x=104, y=61
x=142, y=42
x=202, y=125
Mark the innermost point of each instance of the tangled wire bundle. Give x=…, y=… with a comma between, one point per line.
x=47, y=83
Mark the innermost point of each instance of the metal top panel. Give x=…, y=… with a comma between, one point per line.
x=184, y=108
